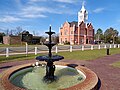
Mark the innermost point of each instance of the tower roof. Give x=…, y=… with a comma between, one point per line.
x=82, y=14
x=83, y=8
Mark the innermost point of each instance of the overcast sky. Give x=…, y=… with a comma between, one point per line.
x=37, y=15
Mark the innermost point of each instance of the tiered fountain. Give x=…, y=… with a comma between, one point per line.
x=50, y=67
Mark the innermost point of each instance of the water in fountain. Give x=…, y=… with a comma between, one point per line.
x=32, y=78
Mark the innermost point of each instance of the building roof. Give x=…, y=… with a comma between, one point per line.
x=36, y=37
x=76, y=24
x=73, y=23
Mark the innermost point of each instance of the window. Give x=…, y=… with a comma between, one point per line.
x=90, y=32
x=65, y=33
x=85, y=31
x=61, y=39
x=81, y=40
x=65, y=39
x=61, y=33
x=75, y=32
x=82, y=31
x=71, y=32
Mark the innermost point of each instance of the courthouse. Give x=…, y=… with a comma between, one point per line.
x=77, y=32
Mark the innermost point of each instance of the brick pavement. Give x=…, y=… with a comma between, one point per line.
x=109, y=76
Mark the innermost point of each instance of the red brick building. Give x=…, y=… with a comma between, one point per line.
x=77, y=32
x=9, y=40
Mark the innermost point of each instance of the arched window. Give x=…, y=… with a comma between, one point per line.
x=71, y=32
x=65, y=32
x=61, y=33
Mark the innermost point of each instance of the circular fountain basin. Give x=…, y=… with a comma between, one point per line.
x=25, y=77
x=32, y=78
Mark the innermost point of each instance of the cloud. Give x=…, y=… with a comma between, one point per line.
x=18, y=3
x=37, y=0
x=118, y=20
x=66, y=1
x=34, y=12
x=34, y=16
x=37, y=11
x=98, y=10
x=9, y=19
x=60, y=1
x=24, y=13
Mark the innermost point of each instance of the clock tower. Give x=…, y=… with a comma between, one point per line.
x=82, y=15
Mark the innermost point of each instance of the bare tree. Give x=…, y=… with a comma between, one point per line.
x=7, y=32
x=18, y=30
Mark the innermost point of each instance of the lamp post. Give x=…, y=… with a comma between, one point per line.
x=108, y=53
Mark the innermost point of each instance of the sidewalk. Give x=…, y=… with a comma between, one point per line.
x=109, y=76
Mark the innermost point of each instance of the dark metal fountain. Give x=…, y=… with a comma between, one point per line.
x=50, y=67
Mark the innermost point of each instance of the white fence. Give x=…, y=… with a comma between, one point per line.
x=35, y=50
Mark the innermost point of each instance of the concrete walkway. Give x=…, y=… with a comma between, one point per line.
x=109, y=76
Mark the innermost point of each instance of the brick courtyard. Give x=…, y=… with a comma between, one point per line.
x=109, y=76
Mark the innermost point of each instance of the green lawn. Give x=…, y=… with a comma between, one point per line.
x=75, y=55
x=83, y=55
x=3, y=45
x=88, y=54
x=17, y=58
x=116, y=64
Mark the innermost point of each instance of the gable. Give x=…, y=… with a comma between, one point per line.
x=90, y=25
x=82, y=24
x=66, y=24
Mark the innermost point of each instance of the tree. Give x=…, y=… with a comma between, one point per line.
x=18, y=30
x=43, y=39
x=99, y=31
x=7, y=32
x=55, y=38
x=99, y=35
x=1, y=37
x=118, y=40
x=27, y=37
x=110, y=35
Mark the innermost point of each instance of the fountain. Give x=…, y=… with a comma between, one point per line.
x=50, y=68
x=58, y=75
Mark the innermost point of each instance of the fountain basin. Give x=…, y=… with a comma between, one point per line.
x=46, y=58
x=32, y=78
x=90, y=83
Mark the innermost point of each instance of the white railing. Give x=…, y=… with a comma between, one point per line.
x=27, y=50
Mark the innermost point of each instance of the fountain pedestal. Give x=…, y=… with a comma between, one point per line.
x=50, y=68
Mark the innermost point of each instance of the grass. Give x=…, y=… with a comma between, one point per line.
x=88, y=54
x=17, y=58
x=3, y=45
x=116, y=64
x=83, y=55
x=75, y=55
